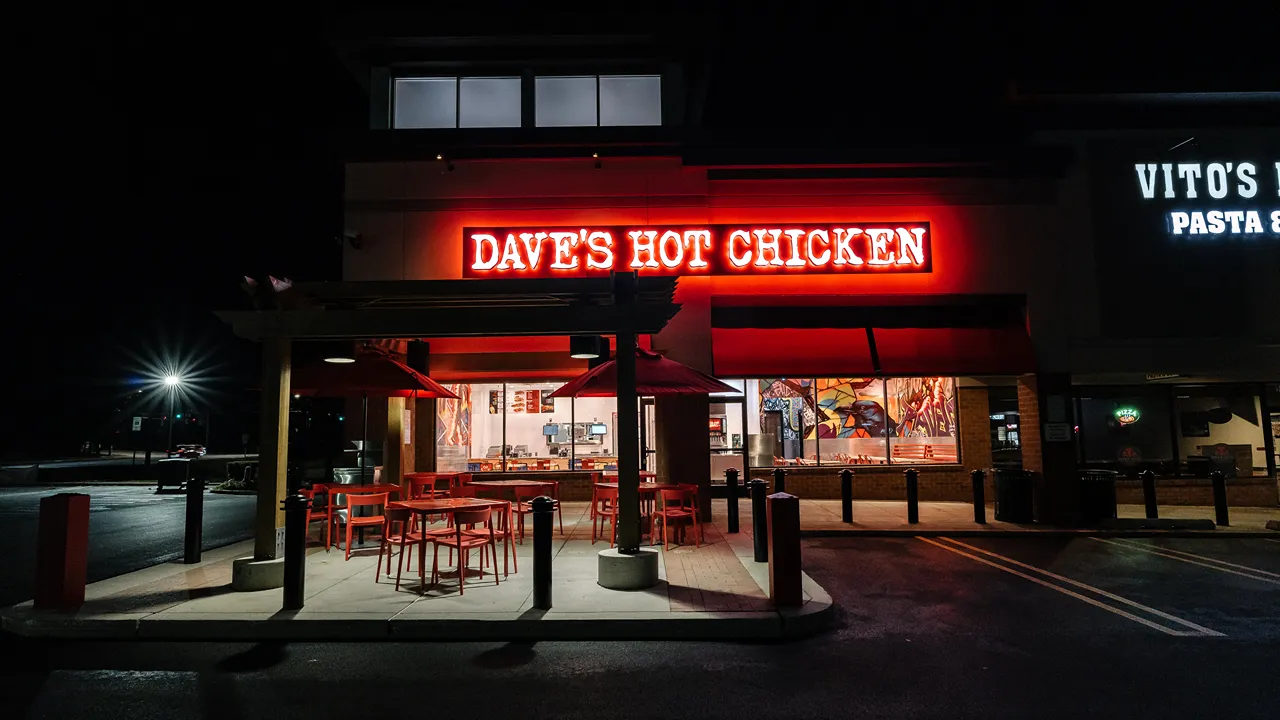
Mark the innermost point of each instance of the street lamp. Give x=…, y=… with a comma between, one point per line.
x=172, y=382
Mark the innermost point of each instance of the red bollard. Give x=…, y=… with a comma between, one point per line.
x=62, y=552
x=783, y=513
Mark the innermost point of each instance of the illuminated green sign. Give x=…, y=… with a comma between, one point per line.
x=1127, y=415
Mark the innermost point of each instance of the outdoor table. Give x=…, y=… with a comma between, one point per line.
x=334, y=489
x=435, y=477
x=444, y=506
x=645, y=475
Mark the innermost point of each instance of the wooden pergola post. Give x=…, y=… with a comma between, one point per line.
x=273, y=447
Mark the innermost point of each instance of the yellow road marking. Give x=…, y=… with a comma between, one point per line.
x=1195, y=630
x=1177, y=555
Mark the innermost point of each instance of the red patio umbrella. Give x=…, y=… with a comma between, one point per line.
x=374, y=372
x=655, y=375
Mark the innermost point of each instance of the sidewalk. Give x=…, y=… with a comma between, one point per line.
x=715, y=592
x=821, y=518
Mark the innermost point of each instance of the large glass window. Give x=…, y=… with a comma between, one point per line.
x=516, y=426
x=489, y=102
x=923, y=420
x=1221, y=428
x=852, y=421
x=1125, y=429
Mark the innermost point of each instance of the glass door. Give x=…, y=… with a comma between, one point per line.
x=648, y=453
x=727, y=430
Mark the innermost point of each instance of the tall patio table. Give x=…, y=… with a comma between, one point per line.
x=443, y=506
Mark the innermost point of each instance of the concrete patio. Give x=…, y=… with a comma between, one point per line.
x=716, y=591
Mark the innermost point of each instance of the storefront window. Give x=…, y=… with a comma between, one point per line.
x=1221, y=428
x=853, y=426
x=852, y=421
x=518, y=427
x=923, y=419
x=1125, y=430
x=781, y=422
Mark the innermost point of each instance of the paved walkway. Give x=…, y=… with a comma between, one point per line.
x=715, y=591
x=890, y=516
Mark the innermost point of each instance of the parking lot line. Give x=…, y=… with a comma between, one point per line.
x=1211, y=563
x=1194, y=631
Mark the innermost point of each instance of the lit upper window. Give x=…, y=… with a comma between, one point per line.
x=450, y=102
x=598, y=100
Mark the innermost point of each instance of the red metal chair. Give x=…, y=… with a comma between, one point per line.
x=604, y=505
x=524, y=502
x=397, y=533
x=674, y=505
x=463, y=543
x=355, y=501
x=501, y=530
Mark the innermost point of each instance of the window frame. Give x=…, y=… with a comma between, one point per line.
x=596, y=76
x=457, y=97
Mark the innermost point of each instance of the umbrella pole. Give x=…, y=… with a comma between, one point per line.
x=364, y=439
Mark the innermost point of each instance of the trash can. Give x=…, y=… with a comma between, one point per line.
x=1097, y=495
x=173, y=472
x=1014, y=493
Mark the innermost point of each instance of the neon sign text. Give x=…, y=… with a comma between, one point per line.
x=865, y=247
x=1216, y=199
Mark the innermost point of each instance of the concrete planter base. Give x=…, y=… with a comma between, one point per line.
x=249, y=574
x=628, y=572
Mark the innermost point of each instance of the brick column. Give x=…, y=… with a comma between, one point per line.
x=683, y=444
x=1044, y=401
x=975, y=427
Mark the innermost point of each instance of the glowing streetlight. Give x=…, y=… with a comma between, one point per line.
x=173, y=382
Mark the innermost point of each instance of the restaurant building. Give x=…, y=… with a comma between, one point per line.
x=1065, y=300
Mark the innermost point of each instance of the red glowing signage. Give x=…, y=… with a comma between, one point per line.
x=847, y=248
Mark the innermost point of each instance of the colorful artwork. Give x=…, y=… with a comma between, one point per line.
x=922, y=407
x=794, y=400
x=453, y=418
x=852, y=408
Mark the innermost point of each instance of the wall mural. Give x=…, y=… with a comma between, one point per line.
x=792, y=398
x=852, y=407
x=453, y=418
x=922, y=407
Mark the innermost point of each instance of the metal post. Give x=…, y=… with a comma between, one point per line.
x=1149, y=494
x=846, y=497
x=913, y=496
x=759, y=521
x=1220, y=497
x=169, y=448
x=979, y=480
x=543, y=511
x=779, y=480
x=628, y=433
x=295, y=550
x=731, y=488
x=194, y=537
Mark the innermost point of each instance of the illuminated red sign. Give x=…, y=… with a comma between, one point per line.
x=847, y=248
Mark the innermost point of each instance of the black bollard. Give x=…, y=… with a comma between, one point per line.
x=295, y=550
x=779, y=480
x=979, y=479
x=731, y=488
x=194, y=536
x=543, y=513
x=846, y=496
x=913, y=496
x=759, y=521
x=1149, y=494
x=1220, y=497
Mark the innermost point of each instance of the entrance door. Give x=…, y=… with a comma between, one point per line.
x=727, y=427
x=648, y=453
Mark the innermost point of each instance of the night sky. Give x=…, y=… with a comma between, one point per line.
x=160, y=155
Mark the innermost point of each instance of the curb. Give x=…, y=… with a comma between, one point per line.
x=1137, y=532
x=787, y=624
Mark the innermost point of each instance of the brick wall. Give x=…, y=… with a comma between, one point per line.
x=1241, y=492
x=1029, y=424
x=975, y=427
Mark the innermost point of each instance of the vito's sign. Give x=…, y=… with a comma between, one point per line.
x=846, y=248
x=1217, y=199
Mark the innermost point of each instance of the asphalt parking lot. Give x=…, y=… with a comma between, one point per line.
x=1019, y=588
